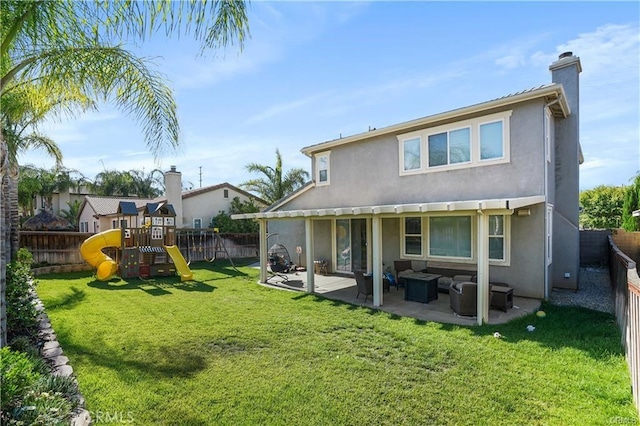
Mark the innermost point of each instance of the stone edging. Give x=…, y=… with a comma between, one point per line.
x=53, y=354
x=55, y=269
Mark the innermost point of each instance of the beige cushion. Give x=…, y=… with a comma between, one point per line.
x=462, y=278
x=444, y=281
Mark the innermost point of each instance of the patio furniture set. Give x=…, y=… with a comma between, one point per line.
x=423, y=286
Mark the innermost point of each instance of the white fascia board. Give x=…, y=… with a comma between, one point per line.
x=516, y=203
x=546, y=90
x=464, y=205
x=383, y=209
x=435, y=207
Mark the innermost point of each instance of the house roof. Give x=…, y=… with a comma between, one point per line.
x=46, y=221
x=399, y=209
x=105, y=206
x=553, y=94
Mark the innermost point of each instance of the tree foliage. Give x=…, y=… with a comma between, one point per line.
x=225, y=224
x=274, y=185
x=602, y=207
x=72, y=212
x=631, y=204
x=129, y=183
x=44, y=182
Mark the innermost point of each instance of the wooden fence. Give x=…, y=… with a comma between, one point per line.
x=54, y=248
x=626, y=283
x=63, y=248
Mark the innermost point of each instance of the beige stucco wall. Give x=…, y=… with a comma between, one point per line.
x=207, y=205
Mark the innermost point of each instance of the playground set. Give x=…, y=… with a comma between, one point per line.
x=141, y=250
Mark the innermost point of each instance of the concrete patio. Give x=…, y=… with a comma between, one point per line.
x=338, y=287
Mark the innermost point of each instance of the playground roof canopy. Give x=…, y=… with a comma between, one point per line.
x=127, y=208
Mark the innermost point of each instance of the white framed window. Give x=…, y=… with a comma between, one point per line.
x=156, y=232
x=450, y=147
x=411, y=154
x=491, y=140
x=549, y=241
x=323, y=161
x=451, y=237
x=498, y=241
x=475, y=142
x=411, y=240
x=197, y=223
x=547, y=133
x=225, y=193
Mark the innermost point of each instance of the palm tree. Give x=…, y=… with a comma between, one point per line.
x=113, y=182
x=147, y=185
x=72, y=213
x=70, y=47
x=274, y=185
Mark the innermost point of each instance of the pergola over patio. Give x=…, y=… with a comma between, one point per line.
x=482, y=209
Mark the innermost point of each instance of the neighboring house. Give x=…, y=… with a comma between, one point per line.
x=60, y=200
x=99, y=214
x=492, y=186
x=196, y=207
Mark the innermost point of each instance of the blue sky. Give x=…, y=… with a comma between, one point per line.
x=314, y=71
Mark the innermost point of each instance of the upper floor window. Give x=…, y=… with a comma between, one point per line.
x=226, y=193
x=411, y=154
x=469, y=143
x=491, y=141
x=450, y=147
x=322, y=168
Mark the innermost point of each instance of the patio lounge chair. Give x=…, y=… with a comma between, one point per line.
x=401, y=266
x=463, y=298
x=364, y=283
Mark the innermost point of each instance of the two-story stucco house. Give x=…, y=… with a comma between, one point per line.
x=195, y=207
x=492, y=185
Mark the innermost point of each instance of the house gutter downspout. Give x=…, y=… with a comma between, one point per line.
x=546, y=109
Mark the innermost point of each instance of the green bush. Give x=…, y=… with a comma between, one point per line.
x=17, y=376
x=21, y=312
x=42, y=408
x=30, y=394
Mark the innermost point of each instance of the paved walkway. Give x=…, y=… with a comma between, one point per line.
x=342, y=288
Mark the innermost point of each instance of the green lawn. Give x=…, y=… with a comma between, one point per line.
x=225, y=350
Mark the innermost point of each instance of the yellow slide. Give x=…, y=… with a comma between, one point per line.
x=91, y=251
x=181, y=264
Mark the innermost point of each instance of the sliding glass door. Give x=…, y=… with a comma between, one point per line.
x=351, y=245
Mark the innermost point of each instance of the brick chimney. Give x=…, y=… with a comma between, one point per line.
x=173, y=190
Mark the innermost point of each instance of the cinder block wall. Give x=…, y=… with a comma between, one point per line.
x=594, y=249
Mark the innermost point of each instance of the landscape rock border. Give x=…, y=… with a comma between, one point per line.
x=54, y=355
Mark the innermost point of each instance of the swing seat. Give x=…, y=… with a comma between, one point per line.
x=278, y=266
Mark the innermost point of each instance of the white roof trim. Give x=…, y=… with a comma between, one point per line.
x=401, y=209
x=555, y=90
